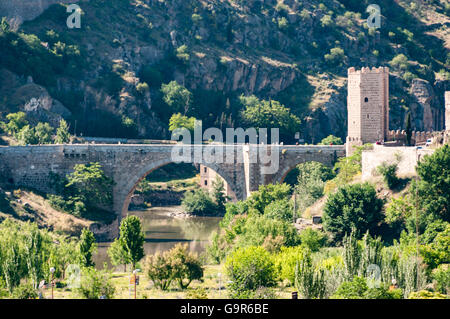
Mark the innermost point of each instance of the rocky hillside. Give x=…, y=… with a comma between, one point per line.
x=296, y=52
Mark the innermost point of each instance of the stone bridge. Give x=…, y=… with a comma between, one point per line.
x=243, y=167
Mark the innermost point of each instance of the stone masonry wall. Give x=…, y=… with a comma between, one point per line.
x=407, y=158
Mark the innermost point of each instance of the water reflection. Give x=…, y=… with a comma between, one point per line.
x=162, y=232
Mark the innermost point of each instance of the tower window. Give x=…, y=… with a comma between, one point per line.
x=366, y=99
x=206, y=182
x=205, y=169
x=368, y=116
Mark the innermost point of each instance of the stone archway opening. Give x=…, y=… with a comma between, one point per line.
x=206, y=175
x=164, y=224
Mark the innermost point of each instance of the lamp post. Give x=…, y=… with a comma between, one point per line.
x=52, y=271
x=135, y=281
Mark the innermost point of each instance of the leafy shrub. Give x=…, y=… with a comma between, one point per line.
x=95, y=284
x=198, y=202
x=197, y=293
x=186, y=266
x=425, y=294
x=335, y=57
x=441, y=276
x=24, y=291
x=177, y=264
x=257, y=228
x=159, y=270
x=267, y=194
x=331, y=140
x=313, y=239
x=280, y=209
x=353, y=206
x=286, y=261
x=389, y=173
x=249, y=269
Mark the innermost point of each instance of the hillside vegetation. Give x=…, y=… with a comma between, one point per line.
x=108, y=74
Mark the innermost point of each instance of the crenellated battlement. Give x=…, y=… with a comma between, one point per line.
x=367, y=70
x=417, y=137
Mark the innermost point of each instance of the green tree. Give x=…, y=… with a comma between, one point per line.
x=280, y=209
x=43, y=132
x=118, y=255
x=91, y=183
x=86, y=247
x=408, y=129
x=186, y=266
x=336, y=56
x=433, y=187
x=269, y=114
x=353, y=206
x=159, y=270
x=132, y=239
x=331, y=140
x=198, y=202
x=218, y=195
x=389, y=172
x=62, y=133
x=311, y=182
x=26, y=136
x=178, y=121
x=267, y=194
x=16, y=121
x=177, y=97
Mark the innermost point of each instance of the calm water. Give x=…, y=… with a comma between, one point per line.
x=162, y=232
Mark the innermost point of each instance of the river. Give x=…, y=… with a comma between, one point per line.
x=162, y=232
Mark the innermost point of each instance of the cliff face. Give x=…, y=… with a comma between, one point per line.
x=23, y=10
x=282, y=50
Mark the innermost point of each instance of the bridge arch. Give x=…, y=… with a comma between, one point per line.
x=128, y=186
x=291, y=163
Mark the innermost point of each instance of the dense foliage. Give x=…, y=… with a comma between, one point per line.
x=353, y=206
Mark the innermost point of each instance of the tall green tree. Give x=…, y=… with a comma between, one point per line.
x=86, y=247
x=219, y=195
x=62, y=133
x=26, y=136
x=43, y=132
x=408, y=129
x=132, y=239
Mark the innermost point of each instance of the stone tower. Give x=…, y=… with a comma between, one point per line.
x=368, y=106
x=447, y=111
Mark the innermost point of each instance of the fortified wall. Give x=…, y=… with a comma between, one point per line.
x=418, y=138
x=406, y=158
